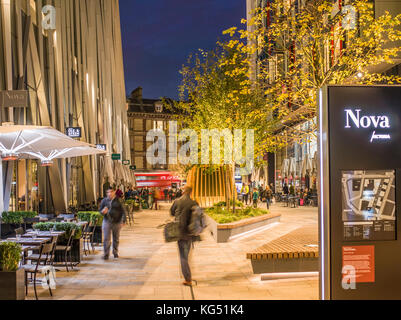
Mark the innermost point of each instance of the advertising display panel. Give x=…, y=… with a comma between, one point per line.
x=359, y=184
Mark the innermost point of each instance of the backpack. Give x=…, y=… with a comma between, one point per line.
x=198, y=221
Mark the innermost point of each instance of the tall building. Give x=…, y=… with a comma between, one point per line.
x=68, y=56
x=144, y=115
x=296, y=163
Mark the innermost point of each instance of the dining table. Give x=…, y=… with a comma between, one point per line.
x=44, y=234
x=28, y=241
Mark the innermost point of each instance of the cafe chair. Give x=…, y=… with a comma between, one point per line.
x=33, y=269
x=89, y=235
x=67, y=250
x=19, y=231
x=46, y=260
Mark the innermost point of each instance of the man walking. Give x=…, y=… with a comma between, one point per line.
x=182, y=211
x=114, y=217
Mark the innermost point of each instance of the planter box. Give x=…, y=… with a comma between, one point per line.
x=224, y=232
x=76, y=253
x=7, y=230
x=12, y=285
x=98, y=236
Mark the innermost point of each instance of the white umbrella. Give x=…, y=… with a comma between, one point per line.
x=79, y=151
x=16, y=140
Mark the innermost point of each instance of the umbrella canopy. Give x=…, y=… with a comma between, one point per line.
x=285, y=167
x=80, y=151
x=17, y=140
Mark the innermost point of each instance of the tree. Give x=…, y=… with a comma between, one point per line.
x=217, y=93
x=298, y=50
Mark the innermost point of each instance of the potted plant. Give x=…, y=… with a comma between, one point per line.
x=92, y=216
x=77, y=250
x=12, y=220
x=12, y=278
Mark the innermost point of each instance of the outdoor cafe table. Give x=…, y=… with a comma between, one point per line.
x=29, y=241
x=44, y=234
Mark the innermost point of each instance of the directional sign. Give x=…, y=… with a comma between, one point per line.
x=116, y=156
x=14, y=99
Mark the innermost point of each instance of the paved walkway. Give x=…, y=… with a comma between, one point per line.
x=149, y=268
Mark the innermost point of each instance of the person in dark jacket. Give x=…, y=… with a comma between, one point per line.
x=182, y=211
x=114, y=218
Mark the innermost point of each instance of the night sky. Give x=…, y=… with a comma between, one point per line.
x=158, y=36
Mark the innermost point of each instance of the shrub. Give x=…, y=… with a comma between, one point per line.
x=90, y=216
x=10, y=255
x=60, y=226
x=17, y=217
x=221, y=215
x=132, y=202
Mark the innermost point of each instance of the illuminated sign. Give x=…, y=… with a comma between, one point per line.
x=116, y=156
x=75, y=132
x=14, y=99
x=102, y=147
x=126, y=162
x=354, y=118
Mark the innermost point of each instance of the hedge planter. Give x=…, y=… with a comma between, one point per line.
x=98, y=236
x=12, y=285
x=76, y=253
x=225, y=232
x=8, y=230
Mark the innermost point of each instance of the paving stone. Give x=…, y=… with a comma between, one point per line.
x=149, y=268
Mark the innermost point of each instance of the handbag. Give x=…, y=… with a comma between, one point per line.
x=172, y=232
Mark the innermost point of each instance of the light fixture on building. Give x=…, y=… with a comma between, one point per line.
x=46, y=163
x=359, y=75
x=9, y=157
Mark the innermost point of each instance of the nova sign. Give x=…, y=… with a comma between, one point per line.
x=354, y=118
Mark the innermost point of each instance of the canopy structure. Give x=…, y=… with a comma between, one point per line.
x=307, y=165
x=39, y=141
x=285, y=168
x=292, y=170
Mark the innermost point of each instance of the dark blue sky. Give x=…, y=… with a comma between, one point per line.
x=158, y=36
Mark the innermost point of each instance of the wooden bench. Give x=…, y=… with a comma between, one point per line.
x=296, y=251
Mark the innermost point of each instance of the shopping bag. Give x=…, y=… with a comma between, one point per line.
x=171, y=232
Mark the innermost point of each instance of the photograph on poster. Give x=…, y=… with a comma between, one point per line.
x=368, y=205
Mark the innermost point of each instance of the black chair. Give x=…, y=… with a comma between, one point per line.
x=19, y=231
x=48, y=260
x=67, y=250
x=33, y=269
x=88, y=236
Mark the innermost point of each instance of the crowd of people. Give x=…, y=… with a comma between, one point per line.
x=150, y=197
x=251, y=195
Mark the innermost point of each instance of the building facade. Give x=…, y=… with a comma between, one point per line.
x=145, y=115
x=296, y=163
x=68, y=55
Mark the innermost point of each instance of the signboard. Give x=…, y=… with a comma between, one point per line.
x=132, y=168
x=359, y=175
x=126, y=162
x=74, y=132
x=102, y=147
x=14, y=99
x=116, y=156
x=359, y=263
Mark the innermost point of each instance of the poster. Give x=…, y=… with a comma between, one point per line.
x=362, y=260
x=368, y=205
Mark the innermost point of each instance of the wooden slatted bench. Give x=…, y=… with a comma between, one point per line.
x=296, y=251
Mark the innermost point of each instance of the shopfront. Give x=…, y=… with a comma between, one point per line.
x=296, y=164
